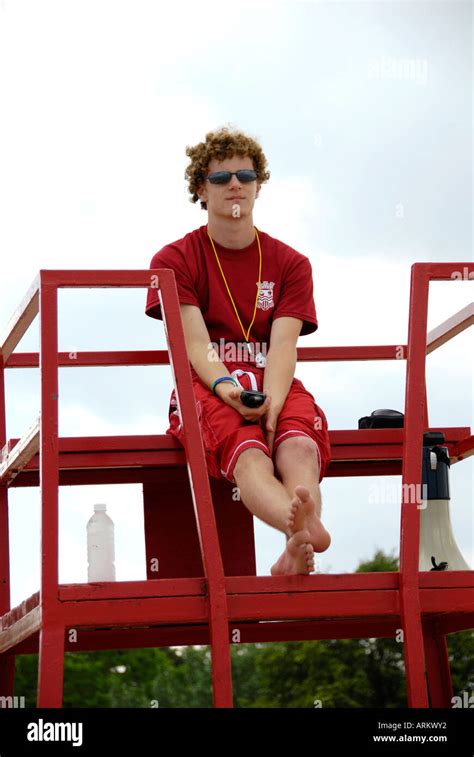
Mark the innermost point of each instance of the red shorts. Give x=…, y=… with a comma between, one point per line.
x=225, y=433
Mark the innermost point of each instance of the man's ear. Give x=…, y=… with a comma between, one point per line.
x=259, y=186
x=201, y=192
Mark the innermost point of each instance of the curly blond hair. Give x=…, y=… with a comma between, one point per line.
x=220, y=144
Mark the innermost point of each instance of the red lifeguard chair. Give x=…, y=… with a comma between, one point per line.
x=208, y=589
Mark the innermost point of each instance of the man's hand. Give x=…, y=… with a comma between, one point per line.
x=266, y=414
x=231, y=396
x=269, y=426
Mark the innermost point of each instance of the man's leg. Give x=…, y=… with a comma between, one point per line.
x=267, y=499
x=296, y=461
x=260, y=491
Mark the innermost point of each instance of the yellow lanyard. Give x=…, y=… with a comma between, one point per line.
x=246, y=336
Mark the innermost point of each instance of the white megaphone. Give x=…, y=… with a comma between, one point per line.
x=438, y=547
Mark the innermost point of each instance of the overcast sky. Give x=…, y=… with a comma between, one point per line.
x=364, y=111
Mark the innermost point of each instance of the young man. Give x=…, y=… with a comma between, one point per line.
x=245, y=297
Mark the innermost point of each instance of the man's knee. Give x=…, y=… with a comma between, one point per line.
x=252, y=457
x=296, y=450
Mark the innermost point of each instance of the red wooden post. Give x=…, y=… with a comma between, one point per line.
x=411, y=486
x=7, y=661
x=437, y=665
x=51, y=648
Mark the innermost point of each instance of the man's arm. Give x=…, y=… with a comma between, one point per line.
x=202, y=356
x=281, y=359
x=280, y=368
x=207, y=365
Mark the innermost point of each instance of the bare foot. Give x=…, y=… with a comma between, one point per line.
x=303, y=515
x=298, y=556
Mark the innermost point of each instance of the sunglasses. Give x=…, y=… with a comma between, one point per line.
x=223, y=177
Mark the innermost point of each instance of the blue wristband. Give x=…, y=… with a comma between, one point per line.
x=224, y=378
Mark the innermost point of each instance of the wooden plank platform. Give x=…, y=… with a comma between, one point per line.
x=299, y=607
x=128, y=459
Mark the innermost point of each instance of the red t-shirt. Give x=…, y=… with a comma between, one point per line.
x=287, y=286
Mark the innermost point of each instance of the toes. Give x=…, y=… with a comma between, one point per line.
x=310, y=558
x=302, y=492
x=294, y=513
x=297, y=540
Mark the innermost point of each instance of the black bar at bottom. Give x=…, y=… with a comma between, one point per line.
x=365, y=731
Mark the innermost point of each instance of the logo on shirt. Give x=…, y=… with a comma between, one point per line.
x=265, y=298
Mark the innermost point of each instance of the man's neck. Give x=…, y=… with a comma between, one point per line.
x=235, y=233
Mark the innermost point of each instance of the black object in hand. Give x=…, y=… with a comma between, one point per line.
x=252, y=399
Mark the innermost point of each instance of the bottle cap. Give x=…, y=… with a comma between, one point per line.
x=100, y=508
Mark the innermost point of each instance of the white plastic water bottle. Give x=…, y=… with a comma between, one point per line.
x=100, y=546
